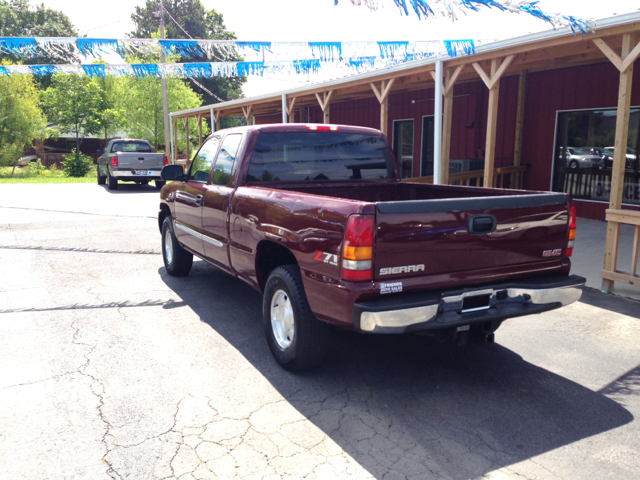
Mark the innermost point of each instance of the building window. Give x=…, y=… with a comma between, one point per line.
x=403, y=146
x=427, y=146
x=583, y=155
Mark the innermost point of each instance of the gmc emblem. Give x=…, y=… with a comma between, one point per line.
x=552, y=253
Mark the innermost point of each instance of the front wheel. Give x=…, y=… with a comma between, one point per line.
x=573, y=164
x=297, y=339
x=177, y=260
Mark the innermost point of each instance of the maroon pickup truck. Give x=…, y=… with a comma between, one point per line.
x=316, y=219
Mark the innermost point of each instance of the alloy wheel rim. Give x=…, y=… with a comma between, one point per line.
x=168, y=247
x=282, y=319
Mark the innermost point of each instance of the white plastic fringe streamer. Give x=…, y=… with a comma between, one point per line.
x=217, y=50
x=452, y=9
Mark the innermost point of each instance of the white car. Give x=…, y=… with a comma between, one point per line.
x=581, y=158
x=24, y=161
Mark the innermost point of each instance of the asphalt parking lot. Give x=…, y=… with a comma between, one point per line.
x=110, y=368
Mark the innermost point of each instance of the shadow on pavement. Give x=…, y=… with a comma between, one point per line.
x=129, y=187
x=408, y=403
x=614, y=303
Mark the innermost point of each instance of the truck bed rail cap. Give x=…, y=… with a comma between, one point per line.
x=473, y=203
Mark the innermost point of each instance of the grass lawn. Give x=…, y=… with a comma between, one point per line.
x=27, y=175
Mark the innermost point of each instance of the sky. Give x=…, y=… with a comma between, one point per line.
x=320, y=20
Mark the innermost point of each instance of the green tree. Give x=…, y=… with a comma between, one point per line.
x=21, y=119
x=19, y=19
x=199, y=23
x=73, y=104
x=110, y=115
x=141, y=101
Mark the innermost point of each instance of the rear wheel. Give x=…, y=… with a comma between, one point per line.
x=297, y=339
x=177, y=260
x=102, y=179
x=160, y=183
x=112, y=182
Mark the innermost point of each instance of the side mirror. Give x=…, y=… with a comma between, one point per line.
x=99, y=152
x=172, y=172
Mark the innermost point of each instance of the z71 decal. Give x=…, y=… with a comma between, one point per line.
x=324, y=257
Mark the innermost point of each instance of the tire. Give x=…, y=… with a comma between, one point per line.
x=143, y=182
x=101, y=178
x=177, y=260
x=112, y=182
x=573, y=164
x=160, y=183
x=297, y=339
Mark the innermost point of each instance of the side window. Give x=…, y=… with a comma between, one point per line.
x=226, y=159
x=201, y=165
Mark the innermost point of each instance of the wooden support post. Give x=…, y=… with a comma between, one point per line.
x=175, y=140
x=324, y=105
x=517, y=151
x=217, y=119
x=493, y=84
x=291, y=113
x=247, y=113
x=383, y=97
x=199, y=117
x=624, y=63
x=186, y=132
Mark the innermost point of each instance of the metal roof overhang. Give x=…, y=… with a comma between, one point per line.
x=540, y=49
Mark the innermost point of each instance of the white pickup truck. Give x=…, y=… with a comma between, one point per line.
x=130, y=160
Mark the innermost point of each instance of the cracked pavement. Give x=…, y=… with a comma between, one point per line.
x=111, y=369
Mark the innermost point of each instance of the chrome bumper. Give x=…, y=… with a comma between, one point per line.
x=498, y=303
x=127, y=175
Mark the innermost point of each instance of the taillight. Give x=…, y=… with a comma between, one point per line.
x=357, y=251
x=166, y=160
x=114, y=161
x=573, y=223
x=323, y=128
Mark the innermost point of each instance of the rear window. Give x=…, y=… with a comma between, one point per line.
x=319, y=156
x=131, y=147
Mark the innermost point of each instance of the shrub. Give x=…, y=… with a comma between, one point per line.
x=77, y=165
x=35, y=168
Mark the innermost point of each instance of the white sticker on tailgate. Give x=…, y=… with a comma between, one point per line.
x=393, y=287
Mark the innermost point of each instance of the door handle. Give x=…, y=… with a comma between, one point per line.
x=199, y=200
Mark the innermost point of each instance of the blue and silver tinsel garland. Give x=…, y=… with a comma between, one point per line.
x=453, y=8
x=186, y=70
x=217, y=49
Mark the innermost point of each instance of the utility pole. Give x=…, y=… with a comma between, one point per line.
x=165, y=103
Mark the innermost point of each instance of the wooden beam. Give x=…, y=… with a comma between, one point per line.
x=199, y=117
x=448, y=86
x=517, y=151
x=608, y=52
x=324, y=102
x=175, y=140
x=618, y=168
x=185, y=120
x=623, y=62
x=290, y=110
x=382, y=95
x=492, y=123
x=247, y=113
x=495, y=74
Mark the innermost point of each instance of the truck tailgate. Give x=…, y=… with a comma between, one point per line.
x=140, y=161
x=425, y=237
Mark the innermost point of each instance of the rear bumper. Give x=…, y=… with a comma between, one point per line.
x=130, y=175
x=442, y=310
